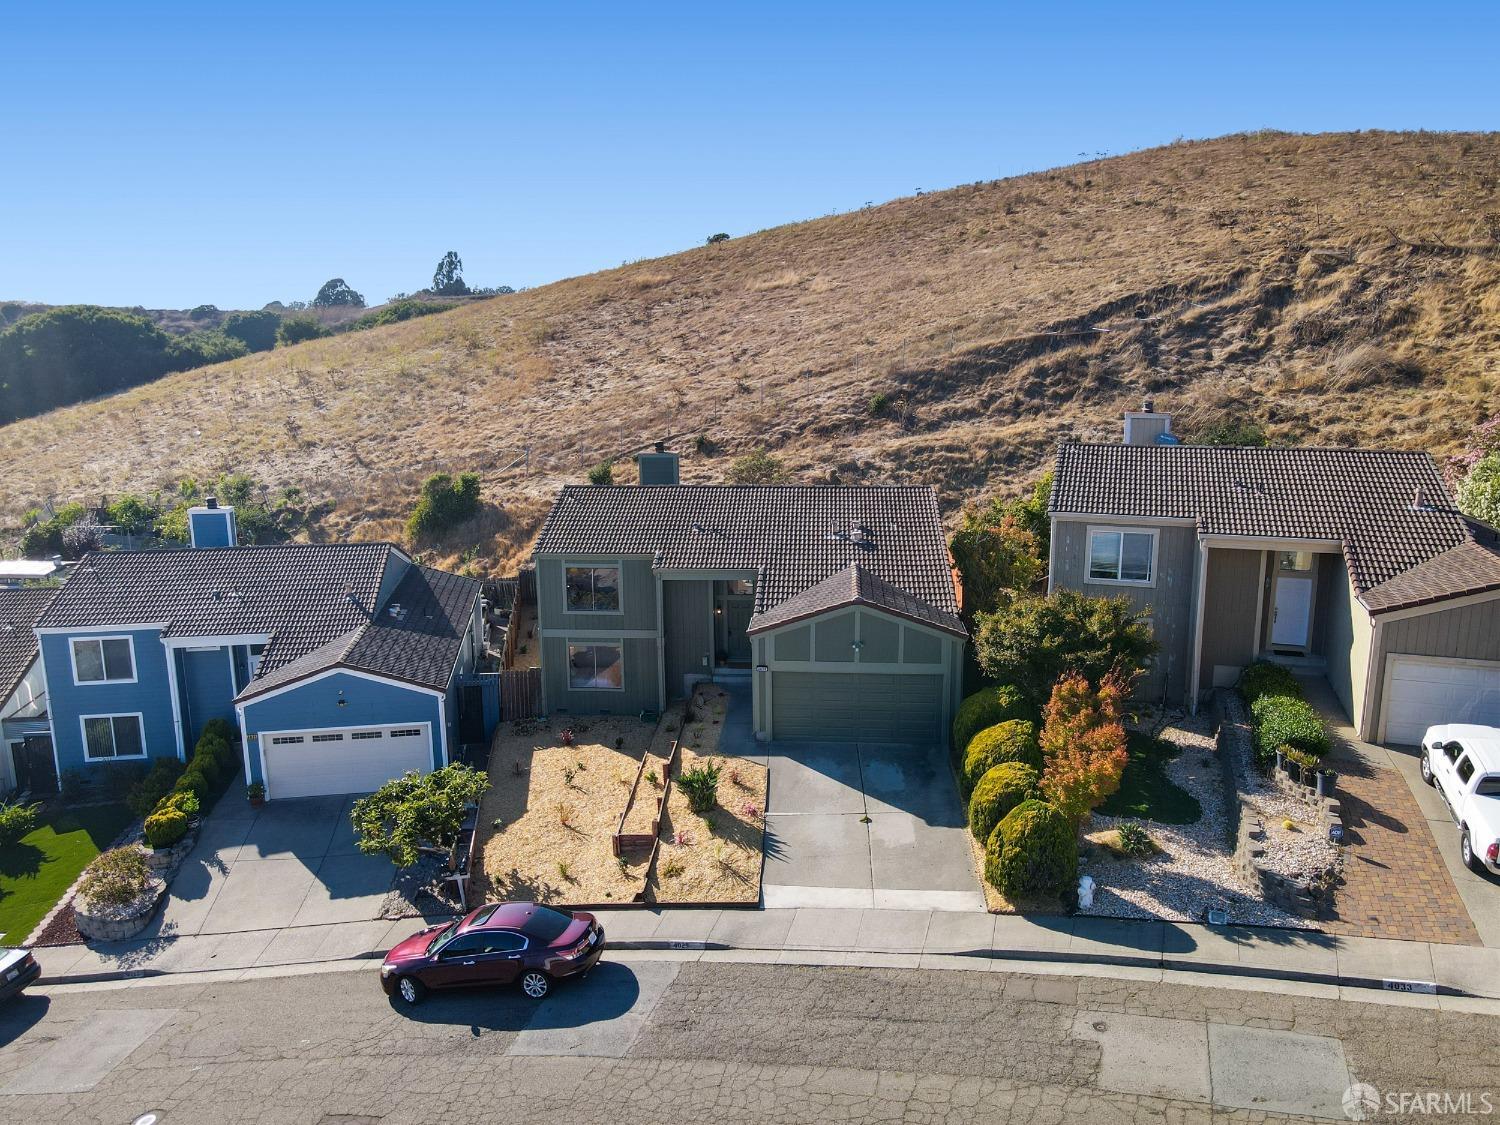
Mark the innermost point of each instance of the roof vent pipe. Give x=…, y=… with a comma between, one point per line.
x=1418, y=500
x=211, y=503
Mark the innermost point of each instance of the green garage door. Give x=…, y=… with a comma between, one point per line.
x=851, y=707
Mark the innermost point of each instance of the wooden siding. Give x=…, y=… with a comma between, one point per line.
x=1171, y=602
x=1468, y=632
x=1230, y=599
x=687, y=631
x=1347, y=649
x=641, y=692
x=637, y=595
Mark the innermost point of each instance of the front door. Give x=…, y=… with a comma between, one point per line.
x=734, y=605
x=1291, y=614
x=35, y=770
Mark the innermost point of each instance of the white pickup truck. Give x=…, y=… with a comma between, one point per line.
x=1463, y=763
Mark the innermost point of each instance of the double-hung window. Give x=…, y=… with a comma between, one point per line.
x=103, y=660
x=592, y=589
x=596, y=666
x=108, y=738
x=1120, y=555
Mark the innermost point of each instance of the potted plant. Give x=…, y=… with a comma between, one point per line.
x=256, y=793
x=1300, y=765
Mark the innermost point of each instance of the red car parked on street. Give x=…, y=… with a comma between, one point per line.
x=499, y=943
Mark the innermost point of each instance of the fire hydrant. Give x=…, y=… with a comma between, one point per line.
x=1085, y=892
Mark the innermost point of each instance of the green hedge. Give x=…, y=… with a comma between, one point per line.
x=144, y=795
x=999, y=791
x=998, y=703
x=1033, y=851
x=1284, y=720
x=197, y=787
x=1265, y=678
x=1011, y=741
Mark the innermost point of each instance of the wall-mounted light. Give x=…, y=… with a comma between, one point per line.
x=857, y=645
x=342, y=701
x=718, y=611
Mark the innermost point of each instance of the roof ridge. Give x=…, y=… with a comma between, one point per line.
x=1254, y=449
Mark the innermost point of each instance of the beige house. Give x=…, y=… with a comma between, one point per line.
x=1352, y=563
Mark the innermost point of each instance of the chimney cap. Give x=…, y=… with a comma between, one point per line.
x=1148, y=405
x=661, y=447
x=211, y=502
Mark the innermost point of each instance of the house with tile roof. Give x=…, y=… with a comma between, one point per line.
x=838, y=605
x=26, y=755
x=339, y=664
x=1352, y=563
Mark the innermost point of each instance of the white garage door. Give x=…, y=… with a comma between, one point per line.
x=313, y=763
x=1422, y=691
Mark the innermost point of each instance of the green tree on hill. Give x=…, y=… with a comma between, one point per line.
x=337, y=293
x=256, y=330
x=448, y=279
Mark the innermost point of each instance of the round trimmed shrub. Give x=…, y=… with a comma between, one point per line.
x=1282, y=720
x=195, y=781
x=1011, y=741
x=986, y=707
x=16, y=821
x=165, y=827
x=1265, y=678
x=999, y=791
x=1033, y=851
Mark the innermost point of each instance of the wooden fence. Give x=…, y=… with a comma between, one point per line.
x=520, y=693
x=524, y=597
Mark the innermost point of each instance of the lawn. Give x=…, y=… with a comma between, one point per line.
x=1145, y=791
x=38, y=868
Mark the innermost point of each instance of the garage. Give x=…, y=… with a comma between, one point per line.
x=1423, y=691
x=323, y=762
x=857, y=707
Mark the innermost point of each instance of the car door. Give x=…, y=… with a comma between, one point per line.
x=506, y=954
x=1444, y=760
x=459, y=962
x=1463, y=773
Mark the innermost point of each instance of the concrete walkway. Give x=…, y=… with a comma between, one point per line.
x=893, y=938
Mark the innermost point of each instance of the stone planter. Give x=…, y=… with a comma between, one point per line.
x=163, y=861
x=117, y=923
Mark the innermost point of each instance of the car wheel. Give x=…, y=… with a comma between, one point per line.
x=1427, y=770
x=535, y=983
x=411, y=990
x=1466, y=850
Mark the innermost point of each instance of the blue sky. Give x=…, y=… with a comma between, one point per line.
x=174, y=154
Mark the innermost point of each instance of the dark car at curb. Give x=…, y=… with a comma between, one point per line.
x=499, y=943
x=18, y=968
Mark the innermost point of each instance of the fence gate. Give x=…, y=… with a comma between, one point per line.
x=520, y=693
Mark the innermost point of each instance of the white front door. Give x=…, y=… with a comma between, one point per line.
x=1293, y=611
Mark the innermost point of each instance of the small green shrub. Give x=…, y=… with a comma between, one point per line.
x=186, y=802
x=700, y=785
x=165, y=827
x=446, y=501
x=1032, y=851
x=602, y=473
x=1283, y=720
x=1000, y=790
x=255, y=791
x=1265, y=678
x=196, y=782
x=1011, y=741
x=986, y=707
x=1133, y=840
x=116, y=877
x=144, y=795
x=15, y=822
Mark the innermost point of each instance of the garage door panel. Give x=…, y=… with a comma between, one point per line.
x=316, y=763
x=840, y=706
x=1422, y=692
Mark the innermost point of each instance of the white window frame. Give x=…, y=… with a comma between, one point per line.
x=1107, y=529
x=135, y=668
x=595, y=642
x=617, y=565
x=83, y=733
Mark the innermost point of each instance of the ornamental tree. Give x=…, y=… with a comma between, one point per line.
x=1083, y=743
x=416, y=812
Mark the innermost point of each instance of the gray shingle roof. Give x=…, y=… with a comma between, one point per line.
x=854, y=585
x=1361, y=498
x=19, y=611
x=793, y=536
x=307, y=596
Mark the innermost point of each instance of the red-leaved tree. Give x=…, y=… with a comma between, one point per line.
x=1083, y=743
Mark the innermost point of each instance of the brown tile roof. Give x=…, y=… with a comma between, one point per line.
x=854, y=585
x=1360, y=498
x=19, y=611
x=1473, y=567
x=792, y=536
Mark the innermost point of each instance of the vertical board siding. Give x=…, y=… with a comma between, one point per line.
x=688, y=631
x=1469, y=632
x=1230, y=600
x=206, y=689
x=637, y=594
x=640, y=677
x=1170, y=602
x=1341, y=649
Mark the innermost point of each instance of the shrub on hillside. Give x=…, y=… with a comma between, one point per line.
x=44, y=538
x=602, y=473
x=197, y=349
x=256, y=330
x=1032, y=851
x=758, y=467
x=1479, y=491
x=399, y=310
x=1282, y=720
x=115, y=878
x=15, y=822
x=446, y=501
x=1265, y=678
x=1001, y=549
x=296, y=329
x=999, y=791
x=1011, y=741
x=1035, y=640
x=997, y=703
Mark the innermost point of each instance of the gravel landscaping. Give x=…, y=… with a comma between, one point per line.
x=1190, y=871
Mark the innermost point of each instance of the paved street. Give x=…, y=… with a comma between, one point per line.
x=648, y=1039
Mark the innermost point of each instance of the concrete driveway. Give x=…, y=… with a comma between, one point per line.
x=290, y=863
x=866, y=824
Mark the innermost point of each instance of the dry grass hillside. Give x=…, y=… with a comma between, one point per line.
x=1341, y=288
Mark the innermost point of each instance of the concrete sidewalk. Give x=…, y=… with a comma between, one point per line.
x=895, y=938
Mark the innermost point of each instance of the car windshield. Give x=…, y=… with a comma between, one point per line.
x=546, y=924
x=442, y=937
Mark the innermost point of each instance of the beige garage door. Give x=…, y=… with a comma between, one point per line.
x=856, y=707
x=316, y=763
x=1424, y=691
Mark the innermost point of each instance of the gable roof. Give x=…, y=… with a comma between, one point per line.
x=792, y=536
x=415, y=638
x=306, y=596
x=854, y=585
x=19, y=611
x=1362, y=499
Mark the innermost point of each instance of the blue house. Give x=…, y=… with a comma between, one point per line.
x=340, y=664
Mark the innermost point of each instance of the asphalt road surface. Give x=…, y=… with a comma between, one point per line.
x=647, y=1040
